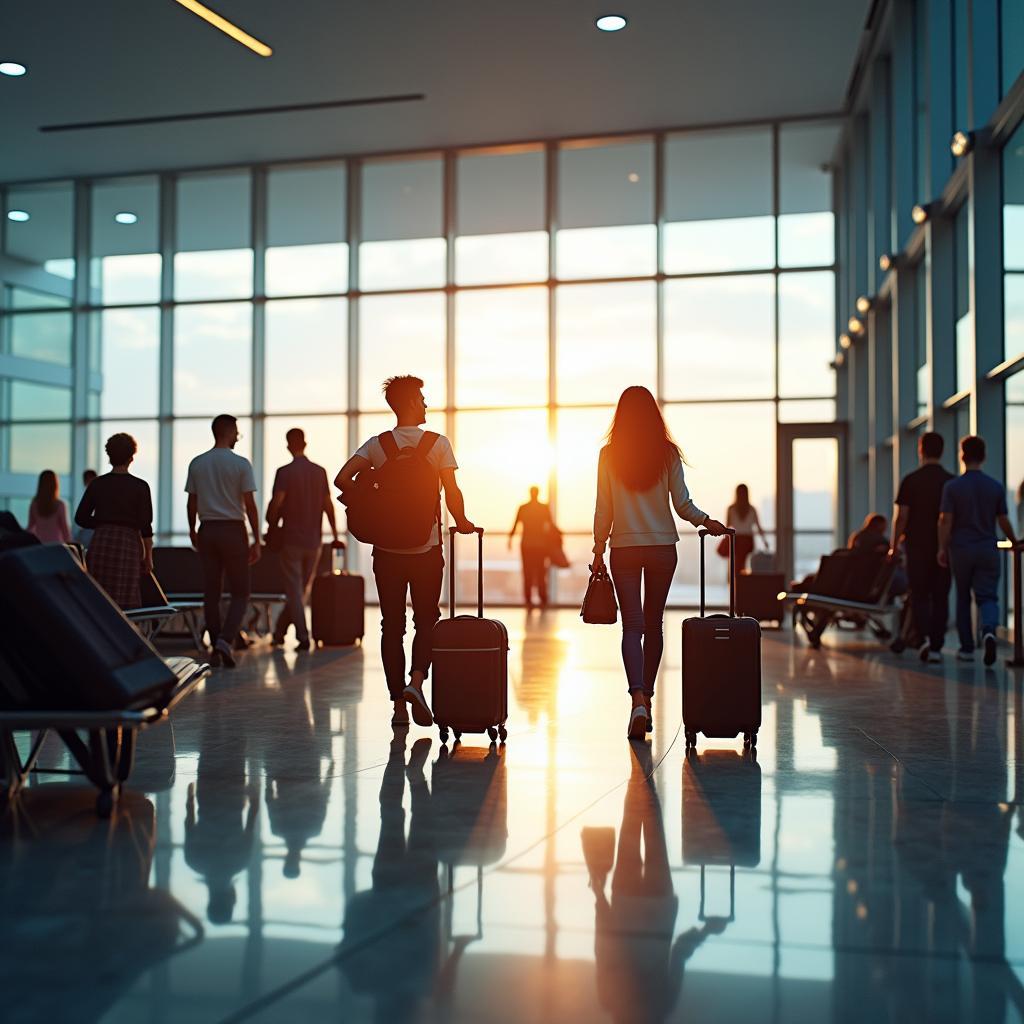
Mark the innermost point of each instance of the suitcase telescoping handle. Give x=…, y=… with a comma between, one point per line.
x=479, y=531
x=731, y=534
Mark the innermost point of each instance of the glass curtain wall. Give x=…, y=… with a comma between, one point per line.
x=526, y=285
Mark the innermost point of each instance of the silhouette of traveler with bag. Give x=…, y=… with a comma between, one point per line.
x=538, y=527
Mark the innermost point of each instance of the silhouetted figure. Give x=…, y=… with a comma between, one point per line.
x=537, y=524
x=973, y=505
x=47, y=513
x=82, y=536
x=742, y=517
x=409, y=571
x=299, y=502
x=871, y=538
x=639, y=472
x=221, y=488
x=916, y=525
x=117, y=510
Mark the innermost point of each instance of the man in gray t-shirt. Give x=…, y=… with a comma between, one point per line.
x=221, y=488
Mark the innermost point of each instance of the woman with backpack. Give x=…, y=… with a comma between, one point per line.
x=640, y=471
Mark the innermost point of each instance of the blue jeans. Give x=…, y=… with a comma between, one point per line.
x=977, y=569
x=643, y=626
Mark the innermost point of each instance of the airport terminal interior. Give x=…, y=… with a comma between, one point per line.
x=798, y=225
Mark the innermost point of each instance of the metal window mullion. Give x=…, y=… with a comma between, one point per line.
x=450, y=341
x=80, y=336
x=776, y=278
x=258, y=240
x=659, y=224
x=166, y=243
x=353, y=229
x=551, y=221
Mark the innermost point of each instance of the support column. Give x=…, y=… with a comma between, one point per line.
x=880, y=218
x=941, y=335
x=904, y=373
x=258, y=240
x=82, y=214
x=168, y=494
x=904, y=183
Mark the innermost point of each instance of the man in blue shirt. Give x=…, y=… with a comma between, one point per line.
x=972, y=505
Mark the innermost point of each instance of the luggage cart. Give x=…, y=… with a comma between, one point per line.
x=102, y=743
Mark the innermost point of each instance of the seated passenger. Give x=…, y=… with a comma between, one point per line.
x=872, y=535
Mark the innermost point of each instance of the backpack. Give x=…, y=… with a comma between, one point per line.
x=395, y=505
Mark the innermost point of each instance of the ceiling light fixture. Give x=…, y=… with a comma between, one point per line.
x=633, y=177
x=864, y=304
x=126, y=217
x=961, y=144
x=18, y=216
x=921, y=212
x=225, y=26
x=606, y=23
x=10, y=67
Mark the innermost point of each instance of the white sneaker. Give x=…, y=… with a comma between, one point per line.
x=963, y=655
x=934, y=657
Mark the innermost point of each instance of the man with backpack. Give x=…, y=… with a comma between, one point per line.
x=391, y=488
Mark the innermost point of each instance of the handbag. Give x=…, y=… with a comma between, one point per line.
x=599, y=604
x=723, y=547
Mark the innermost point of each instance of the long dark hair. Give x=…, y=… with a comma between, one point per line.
x=47, y=493
x=640, y=445
x=742, y=502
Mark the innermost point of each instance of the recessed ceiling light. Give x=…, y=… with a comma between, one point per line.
x=126, y=217
x=19, y=216
x=611, y=23
x=9, y=67
x=633, y=177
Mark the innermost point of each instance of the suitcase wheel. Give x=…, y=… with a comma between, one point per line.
x=750, y=739
x=458, y=735
x=492, y=734
x=691, y=738
x=502, y=733
x=444, y=733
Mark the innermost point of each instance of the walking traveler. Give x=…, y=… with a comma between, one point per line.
x=639, y=472
x=742, y=517
x=47, y=513
x=80, y=535
x=972, y=506
x=117, y=512
x=916, y=525
x=221, y=488
x=391, y=486
x=538, y=525
x=300, y=500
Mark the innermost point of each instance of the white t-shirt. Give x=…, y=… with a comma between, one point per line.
x=744, y=525
x=440, y=457
x=218, y=478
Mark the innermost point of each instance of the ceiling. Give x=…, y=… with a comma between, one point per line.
x=490, y=73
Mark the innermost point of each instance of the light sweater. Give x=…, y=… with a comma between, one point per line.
x=637, y=518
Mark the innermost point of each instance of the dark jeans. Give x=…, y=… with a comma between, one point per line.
x=397, y=576
x=224, y=551
x=298, y=567
x=535, y=574
x=977, y=569
x=929, y=597
x=643, y=618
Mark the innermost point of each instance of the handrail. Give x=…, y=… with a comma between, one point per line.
x=1016, y=550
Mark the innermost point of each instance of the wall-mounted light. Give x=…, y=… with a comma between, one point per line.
x=126, y=217
x=838, y=361
x=962, y=143
x=921, y=212
x=855, y=326
x=611, y=23
x=886, y=262
x=864, y=304
x=18, y=216
x=12, y=68
x=845, y=341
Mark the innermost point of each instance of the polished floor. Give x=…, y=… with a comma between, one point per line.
x=285, y=857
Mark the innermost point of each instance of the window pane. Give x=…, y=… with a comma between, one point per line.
x=726, y=445
x=307, y=355
x=580, y=438
x=718, y=201
x=1013, y=241
x=39, y=401
x=125, y=265
x=1015, y=447
x=403, y=242
x=35, y=447
x=720, y=337
x=326, y=445
x=806, y=334
x=43, y=336
x=125, y=349
x=213, y=359
x=501, y=340
x=501, y=455
x=307, y=253
x=501, y=240
x=191, y=438
x=1012, y=35
x=146, y=463
x=214, y=258
x=606, y=210
x=815, y=410
x=964, y=319
x=27, y=298
x=401, y=334
x=921, y=336
x=806, y=223
x=42, y=237
x=606, y=340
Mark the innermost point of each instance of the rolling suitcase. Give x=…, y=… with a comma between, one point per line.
x=721, y=667
x=722, y=808
x=470, y=664
x=338, y=600
x=68, y=645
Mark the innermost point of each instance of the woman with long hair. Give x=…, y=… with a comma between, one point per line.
x=47, y=514
x=119, y=509
x=742, y=517
x=639, y=472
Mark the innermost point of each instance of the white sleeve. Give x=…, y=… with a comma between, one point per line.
x=447, y=456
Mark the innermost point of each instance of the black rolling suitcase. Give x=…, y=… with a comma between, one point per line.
x=721, y=667
x=338, y=604
x=470, y=664
x=68, y=645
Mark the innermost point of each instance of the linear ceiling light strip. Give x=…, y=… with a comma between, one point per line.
x=225, y=26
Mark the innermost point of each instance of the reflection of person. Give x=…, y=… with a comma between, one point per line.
x=221, y=488
x=742, y=517
x=972, y=506
x=47, y=513
x=117, y=510
x=84, y=537
x=639, y=471
x=916, y=523
x=537, y=523
x=412, y=571
x=639, y=968
x=300, y=500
